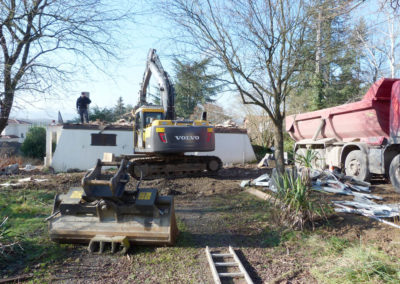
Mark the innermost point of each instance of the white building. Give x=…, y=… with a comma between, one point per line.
x=79, y=146
x=16, y=130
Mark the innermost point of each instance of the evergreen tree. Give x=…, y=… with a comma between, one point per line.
x=119, y=109
x=332, y=74
x=194, y=85
x=103, y=114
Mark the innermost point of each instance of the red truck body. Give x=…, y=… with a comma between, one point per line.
x=370, y=128
x=371, y=120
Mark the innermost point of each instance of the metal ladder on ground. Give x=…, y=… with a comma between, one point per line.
x=236, y=263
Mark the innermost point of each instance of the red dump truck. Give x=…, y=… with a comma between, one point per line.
x=360, y=138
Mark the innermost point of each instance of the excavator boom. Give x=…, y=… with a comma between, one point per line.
x=167, y=91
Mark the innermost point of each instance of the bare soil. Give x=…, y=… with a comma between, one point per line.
x=214, y=212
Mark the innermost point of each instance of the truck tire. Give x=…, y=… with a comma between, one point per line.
x=394, y=173
x=356, y=165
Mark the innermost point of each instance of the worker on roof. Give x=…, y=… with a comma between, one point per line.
x=82, y=106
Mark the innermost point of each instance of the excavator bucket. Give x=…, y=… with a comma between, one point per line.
x=102, y=214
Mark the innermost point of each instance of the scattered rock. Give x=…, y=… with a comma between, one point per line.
x=10, y=170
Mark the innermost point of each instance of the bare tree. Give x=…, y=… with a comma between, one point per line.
x=382, y=42
x=256, y=42
x=45, y=40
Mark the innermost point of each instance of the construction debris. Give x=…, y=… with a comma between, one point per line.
x=366, y=213
x=29, y=167
x=21, y=181
x=337, y=183
x=262, y=180
x=227, y=123
x=267, y=161
x=10, y=170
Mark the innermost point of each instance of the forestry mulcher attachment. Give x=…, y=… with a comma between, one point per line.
x=103, y=214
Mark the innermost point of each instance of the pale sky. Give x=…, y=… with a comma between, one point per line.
x=123, y=78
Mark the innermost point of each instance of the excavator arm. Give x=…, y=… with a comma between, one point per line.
x=153, y=66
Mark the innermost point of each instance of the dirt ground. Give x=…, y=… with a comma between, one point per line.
x=214, y=212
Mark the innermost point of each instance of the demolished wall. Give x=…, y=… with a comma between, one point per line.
x=74, y=148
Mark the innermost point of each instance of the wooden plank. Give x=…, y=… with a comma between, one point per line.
x=212, y=266
x=260, y=194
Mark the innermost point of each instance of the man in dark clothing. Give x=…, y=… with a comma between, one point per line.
x=82, y=106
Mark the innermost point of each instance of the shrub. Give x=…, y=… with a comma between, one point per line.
x=297, y=206
x=306, y=160
x=34, y=145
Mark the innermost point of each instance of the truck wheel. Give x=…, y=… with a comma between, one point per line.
x=394, y=173
x=356, y=165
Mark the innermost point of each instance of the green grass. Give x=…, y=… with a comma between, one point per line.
x=338, y=260
x=161, y=264
x=26, y=211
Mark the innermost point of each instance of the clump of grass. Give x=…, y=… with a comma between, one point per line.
x=358, y=264
x=306, y=161
x=296, y=204
x=26, y=211
x=8, y=245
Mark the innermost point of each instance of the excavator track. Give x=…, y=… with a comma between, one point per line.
x=173, y=166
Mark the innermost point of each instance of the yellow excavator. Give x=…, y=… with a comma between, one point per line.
x=161, y=140
x=102, y=213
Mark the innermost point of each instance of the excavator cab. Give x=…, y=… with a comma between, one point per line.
x=144, y=118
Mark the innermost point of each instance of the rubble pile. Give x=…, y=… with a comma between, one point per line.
x=337, y=183
x=227, y=123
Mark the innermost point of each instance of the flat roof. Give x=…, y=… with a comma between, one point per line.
x=97, y=127
x=130, y=128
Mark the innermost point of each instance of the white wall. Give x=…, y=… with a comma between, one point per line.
x=19, y=130
x=75, y=152
x=232, y=148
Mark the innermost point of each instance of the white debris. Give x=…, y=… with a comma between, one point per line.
x=262, y=180
x=23, y=180
x=29, y=167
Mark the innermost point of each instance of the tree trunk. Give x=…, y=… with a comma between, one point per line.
x=5, y=108
x=278, y=139
x=318, y=51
